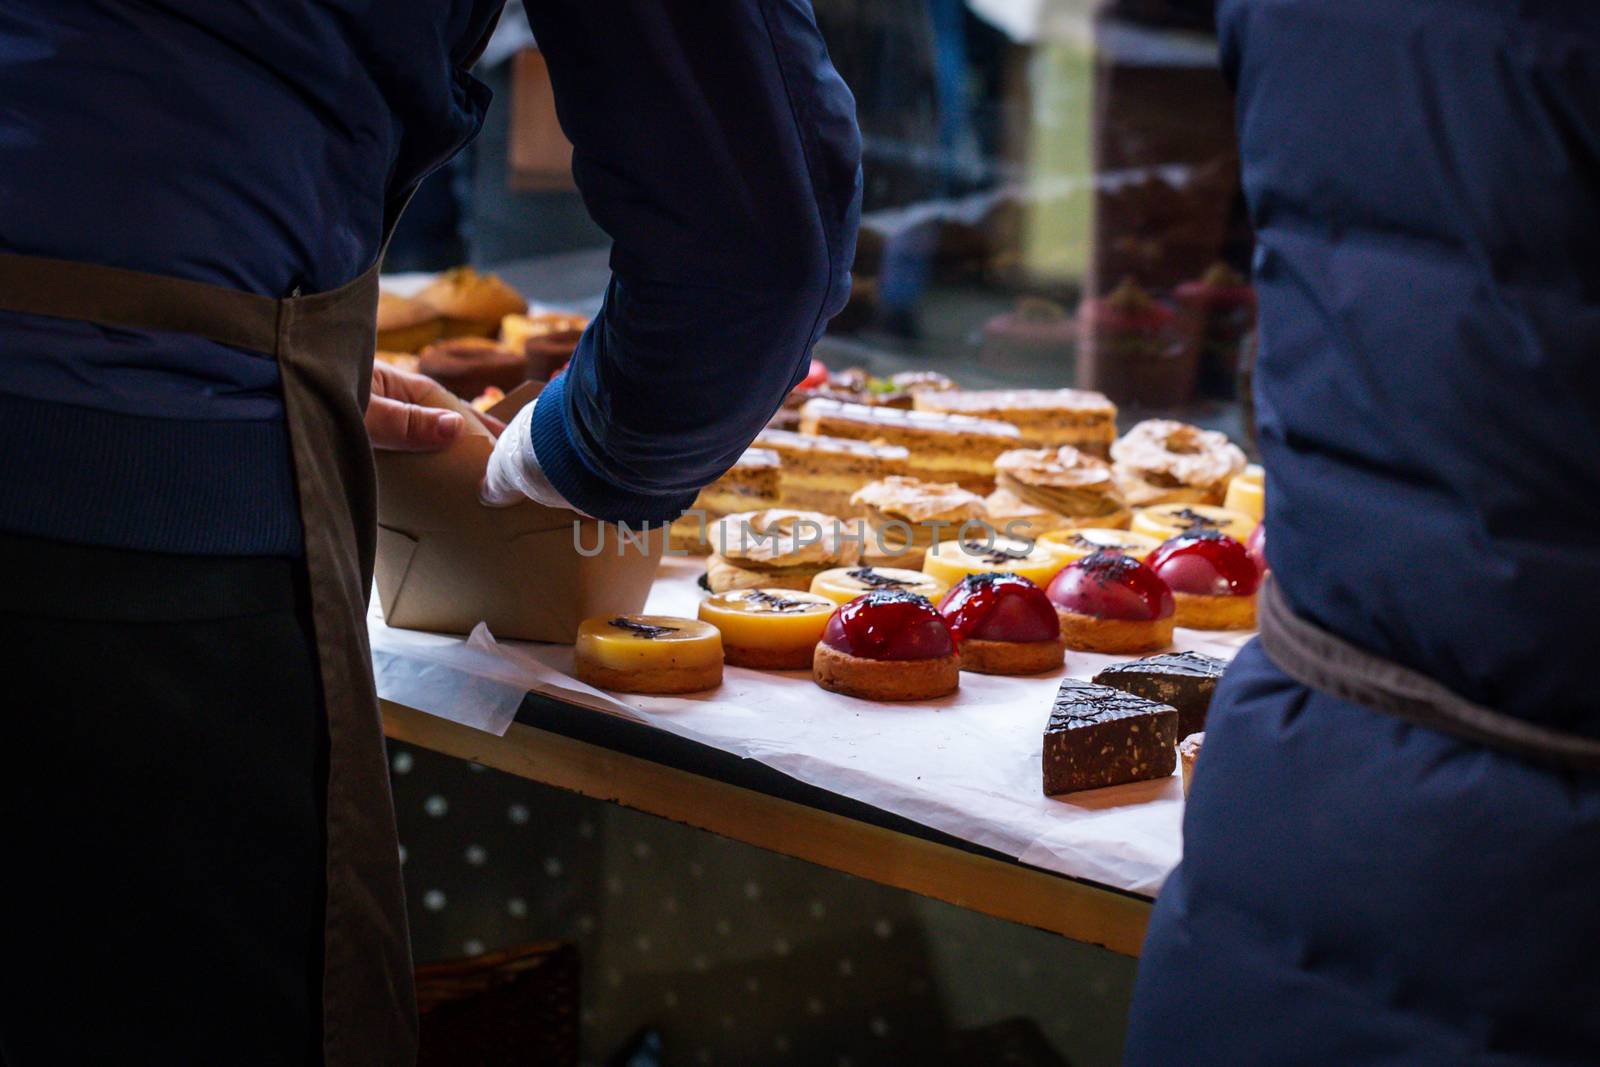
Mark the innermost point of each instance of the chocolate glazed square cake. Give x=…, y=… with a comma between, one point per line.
x=1185, y=680
x=1099, y=736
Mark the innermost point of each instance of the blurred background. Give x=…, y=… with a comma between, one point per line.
x=1047, y=183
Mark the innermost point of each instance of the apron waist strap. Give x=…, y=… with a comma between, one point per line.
x=1318, y=659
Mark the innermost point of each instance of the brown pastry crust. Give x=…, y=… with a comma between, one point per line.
x=1215, y=612
x=1012, y=657
x=893, y=679
x=471, y=304
x=1087, y=633
x=654, y=680
x=768, y=659
x=468, y=366
x=405, y=325
x=723, y=575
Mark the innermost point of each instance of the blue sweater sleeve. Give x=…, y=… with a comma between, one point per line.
x=717, y=146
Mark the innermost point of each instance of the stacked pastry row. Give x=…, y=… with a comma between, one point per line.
x=472, y=333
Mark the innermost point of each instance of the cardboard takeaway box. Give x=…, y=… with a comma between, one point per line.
x=446, y=562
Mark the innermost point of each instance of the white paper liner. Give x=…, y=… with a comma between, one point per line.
x=966, y=765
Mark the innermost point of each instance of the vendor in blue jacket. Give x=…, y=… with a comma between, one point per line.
x=1392, y=847
x=194, y=198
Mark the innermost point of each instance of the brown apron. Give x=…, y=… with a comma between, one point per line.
x=1322, y=661
x=323, y=344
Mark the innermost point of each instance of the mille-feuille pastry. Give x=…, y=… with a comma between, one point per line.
x=648, y=654
x=751, y=484
x=768, y=629
x=1075, y=544
x=467, y=366
x=1185, y=681
x=1109, y=602
x=1162, y=521
x=1042, y=489
x=1247, y=492
x=1212, y=578
x=1188, y=752
x=944, y=448
x=406, y=325
x=822, y=473
x=1099, y=736
x=471, y=304
x=888, y=645
x=776, y=548
x=1003, y=625
x=843, y=584
x=951, y=561
x=547, y=339
x=1161, y=461
x=1046, y=418
x=906, y=516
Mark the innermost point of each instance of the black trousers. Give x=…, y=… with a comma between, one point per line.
x=161, y=809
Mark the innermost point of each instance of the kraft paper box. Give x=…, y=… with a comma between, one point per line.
x=446, y=562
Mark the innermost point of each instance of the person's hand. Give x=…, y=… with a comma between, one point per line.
x=514, y=474
x=411, y=412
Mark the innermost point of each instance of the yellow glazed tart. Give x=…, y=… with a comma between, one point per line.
x=1037, y=561
x=1168, y=520
x=1247, y=492
x=844, y=584
x=1075, y=544
x=768, y=629
x=648, y=654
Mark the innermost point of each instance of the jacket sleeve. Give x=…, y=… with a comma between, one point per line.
x=717, y=146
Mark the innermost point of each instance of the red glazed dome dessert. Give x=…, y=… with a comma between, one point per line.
x=1213, y=580
x=887, y=645
x=1110, y=602
x=1005, y=624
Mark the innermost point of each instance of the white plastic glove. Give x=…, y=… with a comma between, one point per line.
x=514, y=473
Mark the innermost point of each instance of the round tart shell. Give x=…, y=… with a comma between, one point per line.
x=656, y=680
x=797, y=658
x=1012, y=657
x=1088, y=633
x=1215, y=612
x=885, y=679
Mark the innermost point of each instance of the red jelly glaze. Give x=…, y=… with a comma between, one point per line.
x=1000, y=606
x=1111, y=585
x=889, y=624
x=1257, y=547
x=1206, y=563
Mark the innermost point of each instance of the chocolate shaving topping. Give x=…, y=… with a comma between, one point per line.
x=868, y=576
x=644, y=629
x=774, y=602
x=1191, y=519
x=993, y=553
x=893, y=596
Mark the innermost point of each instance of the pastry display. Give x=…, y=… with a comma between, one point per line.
x=1099, y=736
x=855, y=386
x=844, y=584
x=1130, y=349
x=1188, y=752
x=1003, y=625
x=751, y=484
x=1042, y=489
x=906, y=516
x=1212, y=577
x=1046, y=418
x=1247, y=492
x=1215, y=312
x=887, y=645
x=1168, y=520
x=547, y=340
x=768, y=629
x=405, y=325
x=952, y=561
x=1185, y=681
x=1075, y=544
x=822, y=473
x=776, y=548
x=1109, y=602
x=1162, y=461
x=467, y=366
x=648, y=654
x=944, y=448
x=471, y=304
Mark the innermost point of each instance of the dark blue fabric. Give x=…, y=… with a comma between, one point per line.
x=718, y=147
x=1425, y=182
x=255, y=145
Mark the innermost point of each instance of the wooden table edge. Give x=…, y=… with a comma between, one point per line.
x=1007, y=890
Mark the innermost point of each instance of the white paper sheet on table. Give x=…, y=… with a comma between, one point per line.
x=966, y=765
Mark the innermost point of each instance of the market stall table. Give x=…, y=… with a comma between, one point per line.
x=942, y=799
